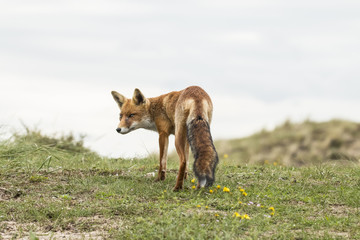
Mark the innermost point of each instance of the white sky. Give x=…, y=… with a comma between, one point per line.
x=261, y=62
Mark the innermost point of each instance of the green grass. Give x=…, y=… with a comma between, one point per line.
x=54, y=187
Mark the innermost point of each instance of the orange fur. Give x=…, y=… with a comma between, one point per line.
x=187, y=114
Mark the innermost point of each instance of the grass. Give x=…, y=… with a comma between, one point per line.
x=54, y=187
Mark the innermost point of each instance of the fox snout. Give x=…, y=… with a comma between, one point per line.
x=123, y=130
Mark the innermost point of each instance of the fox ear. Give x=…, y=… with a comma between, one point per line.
x=119, y=99
x=138, y=97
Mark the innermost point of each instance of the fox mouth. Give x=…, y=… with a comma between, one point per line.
x=124, y=131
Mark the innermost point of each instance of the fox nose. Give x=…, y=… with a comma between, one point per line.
x=118, y=130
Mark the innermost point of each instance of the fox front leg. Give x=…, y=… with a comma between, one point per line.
x=163, y=144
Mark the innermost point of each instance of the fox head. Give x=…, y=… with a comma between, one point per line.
x=134, y=112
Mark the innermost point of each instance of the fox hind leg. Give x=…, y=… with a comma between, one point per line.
x=182, y=148
x=187, y=149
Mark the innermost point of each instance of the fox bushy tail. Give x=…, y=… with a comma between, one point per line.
x=203, y=149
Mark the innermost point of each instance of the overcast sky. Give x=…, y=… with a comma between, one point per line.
x=261, y=62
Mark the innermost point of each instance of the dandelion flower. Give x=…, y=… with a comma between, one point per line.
x=226, y=189
x=193, y=187
x=218, y=187
x=272, y=211
x=193, y=180
x=211, y=191
x=236, y=214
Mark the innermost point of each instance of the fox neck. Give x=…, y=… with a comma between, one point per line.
x=161, y=111
x=149, y=125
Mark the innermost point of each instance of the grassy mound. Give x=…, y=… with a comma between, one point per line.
x=33, y=151
x=293, y=144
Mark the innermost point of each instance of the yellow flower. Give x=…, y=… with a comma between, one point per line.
x=245, y=216
x=226, y=189
x=244, y=193
x=236, y=214
x=218, y=187
x=193, y=187
x=211, y=191
x=193, y=180
x=272, y=209
x=226, y=156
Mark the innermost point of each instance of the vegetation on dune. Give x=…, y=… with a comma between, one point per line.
x=297, y=144
x=54, y=188
x=64, y=142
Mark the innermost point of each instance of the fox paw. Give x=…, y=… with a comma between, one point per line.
x=177, y=188
x=160, y=177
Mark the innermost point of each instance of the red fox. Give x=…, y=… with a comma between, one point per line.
x=187, y=114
